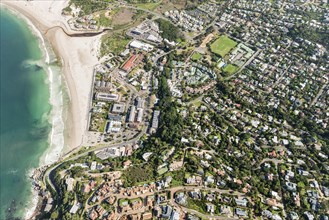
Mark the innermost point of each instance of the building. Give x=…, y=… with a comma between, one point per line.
x=174, y=215
x=140, y=102
x=155, y=120
x=69, y=183
x=93, y=165
x=132, y=114
x=75, y=208
x=147, y=30
x=210, y=208
x=113, y=126
x=291, y=186
x=140, y=45
x=147, y=215
x=241, y=202
x=112, y=117
x=166, y=212
x=140, y=115
x=118, y=108
x=240, y=212
x=108, y=97
x=128, y=66
x=293, y=216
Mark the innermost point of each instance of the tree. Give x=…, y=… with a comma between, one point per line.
x=168, y=30
x=54, y=215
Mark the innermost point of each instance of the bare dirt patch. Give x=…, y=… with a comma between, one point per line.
x=123, y=16
x=207, y=40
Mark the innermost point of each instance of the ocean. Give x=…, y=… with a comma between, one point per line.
x=27, y=113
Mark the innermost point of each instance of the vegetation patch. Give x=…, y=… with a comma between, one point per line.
x=230, y=69
x=169, y=31
x=135, y=175
x=196, y=56
x=104, y=20
x=149, y=6
x=90, y=6
x=114, y=43
x=222, y=46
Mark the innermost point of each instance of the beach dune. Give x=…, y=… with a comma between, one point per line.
x=78, y=56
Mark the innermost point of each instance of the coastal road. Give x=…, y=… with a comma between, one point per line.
x=46, y=176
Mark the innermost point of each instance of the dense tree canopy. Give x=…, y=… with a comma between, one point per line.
x=169, y=31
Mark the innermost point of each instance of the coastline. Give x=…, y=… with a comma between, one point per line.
x=55, y=99
x=77, y=58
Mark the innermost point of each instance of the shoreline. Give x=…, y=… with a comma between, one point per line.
x=53, y=151
x=46, y=63
x=76, y=57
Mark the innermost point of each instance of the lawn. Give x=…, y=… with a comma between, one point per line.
x=222, y=46
x=230, y=69
x=196, y=56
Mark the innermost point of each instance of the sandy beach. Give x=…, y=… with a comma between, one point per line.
x=78, y=56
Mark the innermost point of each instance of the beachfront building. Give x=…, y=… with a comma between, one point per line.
x=107, y=97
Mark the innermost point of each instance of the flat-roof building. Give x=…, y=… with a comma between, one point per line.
x=132, y=114
x=114, y=117
x=118, y=108
x=142, y=46
x=155, y=120
x=113, y=126
x=140, y=102
x=140, y=115
x=103, y=96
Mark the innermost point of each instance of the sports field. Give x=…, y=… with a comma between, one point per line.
x=222, y=46
x=230, y=69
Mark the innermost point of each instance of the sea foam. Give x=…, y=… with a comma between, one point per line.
x=56, y=136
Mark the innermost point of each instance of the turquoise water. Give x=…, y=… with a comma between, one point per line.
x=24, y=113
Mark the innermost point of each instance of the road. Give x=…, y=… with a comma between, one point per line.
x=46, y=176
x=318, y=95
x=172, y=200
x=194, y=212
x=161, y=55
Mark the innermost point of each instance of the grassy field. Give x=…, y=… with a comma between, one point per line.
x=196, y=56
x=104, y=21
x=148, y=6
x=230, y=69
x=222, y=46
x=114, y=43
